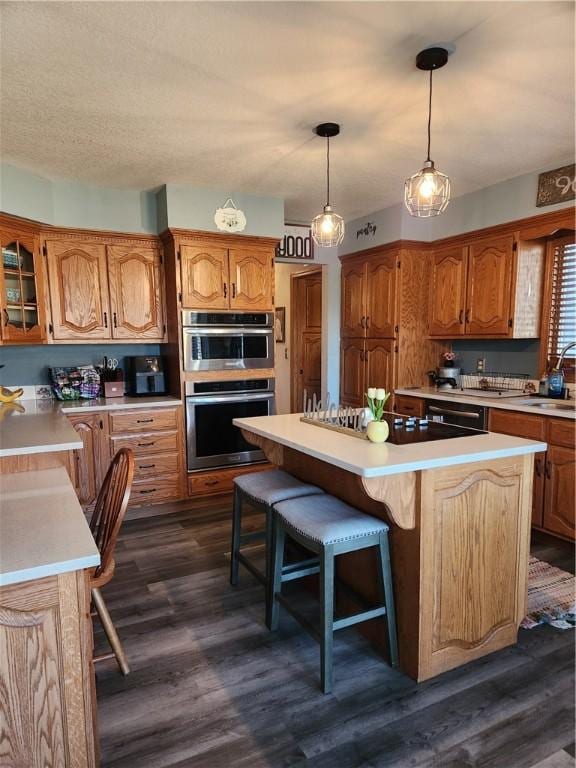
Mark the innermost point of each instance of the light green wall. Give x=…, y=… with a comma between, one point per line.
x=194, y=208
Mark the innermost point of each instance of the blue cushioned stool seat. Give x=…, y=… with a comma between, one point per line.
x=329, y=527
x=261, y=490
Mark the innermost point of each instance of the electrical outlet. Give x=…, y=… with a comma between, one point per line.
x=480, y=365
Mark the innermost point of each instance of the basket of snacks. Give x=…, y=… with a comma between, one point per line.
x=79, y=382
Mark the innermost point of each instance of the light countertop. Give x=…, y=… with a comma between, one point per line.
x=35, y=431
x=41, y=426
x=367, y=459
x=43, y=530
x=506, y=403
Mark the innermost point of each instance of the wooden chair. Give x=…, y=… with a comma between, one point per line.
x=105, y=526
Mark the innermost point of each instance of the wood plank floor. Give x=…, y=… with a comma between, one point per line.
x=210, y=687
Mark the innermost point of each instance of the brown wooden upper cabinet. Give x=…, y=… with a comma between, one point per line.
x=489, y=288
x=22, y=307
x=135, y=282
x=226, y=278
x=369, y=297
x=100, y=291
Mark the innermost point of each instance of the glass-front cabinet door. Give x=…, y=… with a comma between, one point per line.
x=21, y=288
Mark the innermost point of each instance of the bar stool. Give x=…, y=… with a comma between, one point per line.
x=261, y=490
x=329, y=527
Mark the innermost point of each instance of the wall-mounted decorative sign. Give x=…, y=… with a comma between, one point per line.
x=558, y=186
x=297, y=243
x=229, y=218
x=280, y=325
x=366, y=230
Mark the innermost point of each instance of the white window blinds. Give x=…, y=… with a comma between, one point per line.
x=562, y=327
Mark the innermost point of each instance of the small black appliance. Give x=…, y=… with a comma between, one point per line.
x=145, y=375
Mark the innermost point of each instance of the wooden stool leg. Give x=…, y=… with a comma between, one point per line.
x=268, y=586
x=236, y=532
x=279, y=537
x=388, y=594
x=110, y=630
x=326, y=616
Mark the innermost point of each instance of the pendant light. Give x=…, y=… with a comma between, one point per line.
x=427, y=193
x=327, y=228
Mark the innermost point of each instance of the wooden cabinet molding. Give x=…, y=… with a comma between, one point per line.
x=553, y=502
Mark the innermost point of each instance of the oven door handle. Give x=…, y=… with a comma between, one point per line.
x=236, y=398
x=232, y=331
x=448, y=412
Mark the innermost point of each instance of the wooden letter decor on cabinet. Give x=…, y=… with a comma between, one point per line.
x=135, y=292
x=78, y=290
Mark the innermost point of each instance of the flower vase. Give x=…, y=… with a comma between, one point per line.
x=378, y=431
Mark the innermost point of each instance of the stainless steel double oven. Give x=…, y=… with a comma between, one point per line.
x=225, y=341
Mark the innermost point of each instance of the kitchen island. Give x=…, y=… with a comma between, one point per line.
x=47, y=715
x=459, y=511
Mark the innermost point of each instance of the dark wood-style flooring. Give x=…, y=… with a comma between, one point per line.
x=210, y=687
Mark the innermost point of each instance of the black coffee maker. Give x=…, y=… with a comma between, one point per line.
x=145, y=375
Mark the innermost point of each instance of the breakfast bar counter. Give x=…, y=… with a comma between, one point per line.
x=459, y=511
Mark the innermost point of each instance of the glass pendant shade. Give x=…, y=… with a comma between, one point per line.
x=327, y=228
x=427, y=193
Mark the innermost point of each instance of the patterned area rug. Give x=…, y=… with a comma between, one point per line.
x=551, y=596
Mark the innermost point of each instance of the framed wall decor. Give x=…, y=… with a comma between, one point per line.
x=297, y=243
x=280, y=325
x=557, y=186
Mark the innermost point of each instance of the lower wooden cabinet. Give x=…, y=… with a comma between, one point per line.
x=155, y=435
x=364, y=363
x=553, y=507
x=90, y=463
x=47, y=716
x=217, y=481
x=410, y=406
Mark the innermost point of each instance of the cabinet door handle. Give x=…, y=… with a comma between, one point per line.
x=148, y=490
x=225, y=290
x=146, y=466
x=211, y=482
x=144, y=421
x=461, y=317
x=145, y=445
x=362, y=322
x=538, y=467
x=367, y=321
x=467, y=316
x=114, y=320
x=233, y=290
x=6, y=316
x=549, y=470
x=105, y=319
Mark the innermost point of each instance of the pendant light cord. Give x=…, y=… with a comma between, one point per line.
x=429, y=116
x=327, y=170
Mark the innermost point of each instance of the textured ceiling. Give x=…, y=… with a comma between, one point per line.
x=225, y=95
